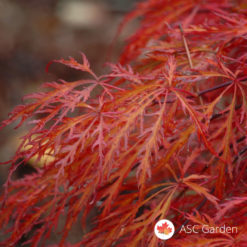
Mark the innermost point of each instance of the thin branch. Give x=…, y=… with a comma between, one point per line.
x=203, y=202
x=186, y=46
x=239, y=154
x=201, y=92
x=217, y=115
x=214, y=88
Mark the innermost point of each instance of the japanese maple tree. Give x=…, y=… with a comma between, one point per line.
x=165, y=136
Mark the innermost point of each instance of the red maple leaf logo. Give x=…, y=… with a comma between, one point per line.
x=164, y=229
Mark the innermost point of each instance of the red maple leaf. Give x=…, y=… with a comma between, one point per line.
x=164, y=229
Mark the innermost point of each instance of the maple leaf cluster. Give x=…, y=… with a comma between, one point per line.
x=162, y=135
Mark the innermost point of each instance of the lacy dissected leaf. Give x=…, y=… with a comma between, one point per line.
x=162, y=135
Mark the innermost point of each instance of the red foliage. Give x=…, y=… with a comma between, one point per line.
x=165, y=137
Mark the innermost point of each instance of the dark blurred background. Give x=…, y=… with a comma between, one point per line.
x=34, y=32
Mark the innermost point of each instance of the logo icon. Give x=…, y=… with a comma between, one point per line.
x=164, y=229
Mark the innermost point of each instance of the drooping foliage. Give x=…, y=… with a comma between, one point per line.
x=163, y=137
